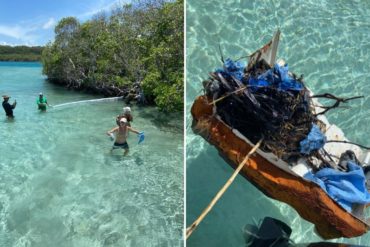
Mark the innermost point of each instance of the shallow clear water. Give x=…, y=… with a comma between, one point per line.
x=59, y=186
x=327, y=41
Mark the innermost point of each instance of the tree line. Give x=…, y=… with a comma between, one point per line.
x=20, y=53
x=138, y=45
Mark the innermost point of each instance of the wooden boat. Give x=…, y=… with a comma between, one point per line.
x=278, y=179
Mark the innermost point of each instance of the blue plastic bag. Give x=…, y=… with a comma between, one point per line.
x=314, y=140
x=141, y=137
x=232, y=69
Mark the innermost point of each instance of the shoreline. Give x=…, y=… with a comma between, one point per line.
x=101, y=89
x=31, y=61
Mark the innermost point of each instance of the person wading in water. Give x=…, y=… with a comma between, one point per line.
x=121, y=135
x=42, y=102
x=8, y=108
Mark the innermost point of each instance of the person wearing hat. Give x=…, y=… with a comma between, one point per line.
x=121, y=135
x=42, y=102
x=126, y=113
x=8, y=108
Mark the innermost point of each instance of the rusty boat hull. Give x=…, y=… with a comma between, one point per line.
x=310, y=201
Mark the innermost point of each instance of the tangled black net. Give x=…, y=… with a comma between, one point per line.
x=282, y=118
x=282, y=115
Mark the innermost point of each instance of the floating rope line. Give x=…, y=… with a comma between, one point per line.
x=88, y=101
x=195, y=224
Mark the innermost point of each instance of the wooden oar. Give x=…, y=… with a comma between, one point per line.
x=195, y=224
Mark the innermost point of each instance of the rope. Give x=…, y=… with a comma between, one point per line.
x=195, y=224
x=227, y=95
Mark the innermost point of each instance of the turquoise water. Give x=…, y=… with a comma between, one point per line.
x=59, y=186
x=327, y=41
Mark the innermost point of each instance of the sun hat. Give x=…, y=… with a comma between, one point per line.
x=6, y=96
x=126, y=110
x=40, y=93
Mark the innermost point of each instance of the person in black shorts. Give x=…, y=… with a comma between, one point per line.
x=121, y=135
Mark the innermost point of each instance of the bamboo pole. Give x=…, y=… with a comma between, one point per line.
x=195, y=224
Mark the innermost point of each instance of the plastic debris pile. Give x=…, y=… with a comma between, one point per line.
x=260, y=101
x=269, y=102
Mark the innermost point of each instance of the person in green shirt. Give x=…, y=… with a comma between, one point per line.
x=42, y=102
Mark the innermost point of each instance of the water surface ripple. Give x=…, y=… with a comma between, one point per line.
x=60, y=186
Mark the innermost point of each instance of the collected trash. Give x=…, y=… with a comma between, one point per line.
x=269, y=102
x=301, y=151
x=274, y=104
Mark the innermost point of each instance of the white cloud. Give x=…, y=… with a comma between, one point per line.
x=37, y=31
x=50, y=23
x=16, y=44
x=22, y=34
x=12, y=31
x=102, y=6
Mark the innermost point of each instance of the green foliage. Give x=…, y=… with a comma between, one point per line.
x=168, y=97
x=150, y=82
x=137, y=42
x=122, y=81
x=20, y=53
x=65, y=31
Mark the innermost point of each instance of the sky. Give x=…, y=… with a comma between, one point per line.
x=31, y=23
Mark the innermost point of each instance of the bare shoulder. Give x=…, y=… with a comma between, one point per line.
x=114, y=129
x=130, y=128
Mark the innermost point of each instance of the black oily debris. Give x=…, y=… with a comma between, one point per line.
x=269, y=103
